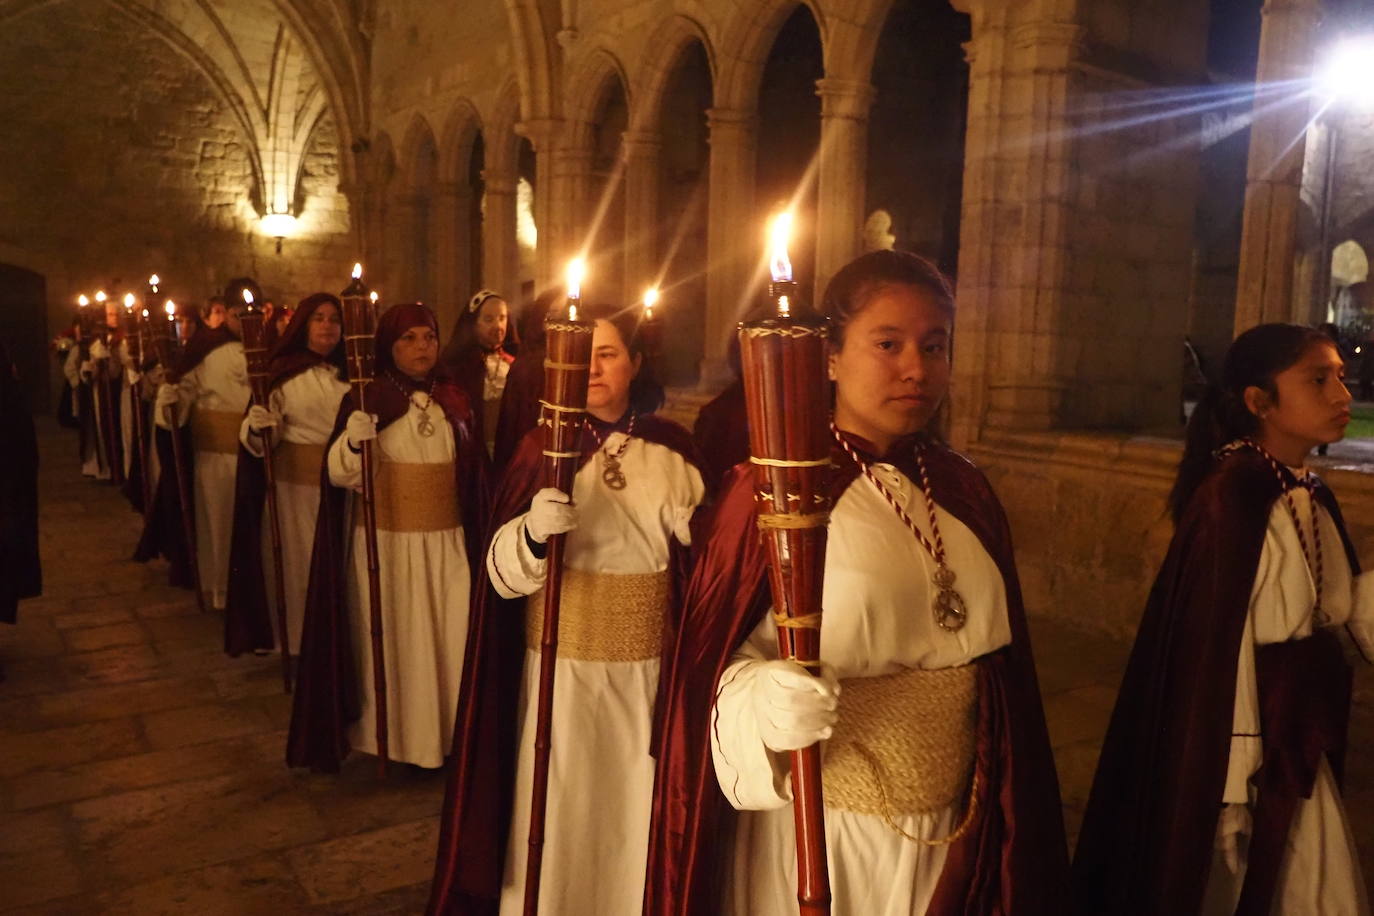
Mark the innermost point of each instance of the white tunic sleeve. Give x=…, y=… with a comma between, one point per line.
x=752, y=777
x=513, y=567
x=345, y=465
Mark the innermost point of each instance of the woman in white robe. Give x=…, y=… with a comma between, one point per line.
x=306, y=383
x=938, y=785
x=428, y=479
x=628, y=528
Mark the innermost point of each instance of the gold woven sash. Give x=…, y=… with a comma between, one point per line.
x=904, y=743
x=415, y=497
x=294, y=462
x=216, y=430
x=604, y=617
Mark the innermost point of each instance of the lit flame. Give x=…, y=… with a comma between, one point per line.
x=248, y=296
x=145, y=314
x=357, y=271
x=100, y=296
x=128, y=300
x=373, y=296
x=577, y=269
x=154, y=280
x=779, y=232
x=171, y=309
x=650, y=300
x=82, y=301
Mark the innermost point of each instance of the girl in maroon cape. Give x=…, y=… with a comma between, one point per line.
x=430, y=486
x=941, y=795
x=306, y=381
x=1217, y=790
x=628, y=528
x=476, y=357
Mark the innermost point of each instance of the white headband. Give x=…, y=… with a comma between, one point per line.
x=481, y=296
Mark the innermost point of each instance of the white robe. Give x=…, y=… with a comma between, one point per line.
x=495, y=369
x=1320, y=872
x=220, y=383
x=126, y=420
x=877, y=620
x=308, y=404
x=425, y=580
x=94, y=462
x=601, y=775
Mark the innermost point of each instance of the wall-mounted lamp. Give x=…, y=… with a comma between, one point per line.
x=279, y=226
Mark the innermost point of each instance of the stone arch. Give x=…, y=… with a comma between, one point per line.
x=417, y=143
x=749, y=39
x=587, y=92
x=663, y=54
x=534, y=58
x=462, y=127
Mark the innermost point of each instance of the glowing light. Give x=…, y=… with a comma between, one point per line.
x=100, y=296
x=128, y=300
x=577, y=270
x=1347, y=74
x=247, y=296
x=154, y=280
x=145, y=314
x=82, y=301
x=279, y=225
x=650, y=300
x=784, y=306
x=171, y=309
x=373, y=296
x=779, y=232
x=357, y=271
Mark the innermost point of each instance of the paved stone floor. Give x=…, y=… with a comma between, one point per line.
x=141, y=770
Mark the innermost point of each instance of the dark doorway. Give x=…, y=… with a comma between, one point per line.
x=24, y=332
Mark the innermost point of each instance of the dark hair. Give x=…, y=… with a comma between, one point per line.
x=646, y=391
x=1252, y=361
x=532, y=315
x=853, y=287
x=463, y=337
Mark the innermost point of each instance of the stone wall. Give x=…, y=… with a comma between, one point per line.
x=121, y=159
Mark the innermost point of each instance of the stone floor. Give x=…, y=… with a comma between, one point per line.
x=141, y=770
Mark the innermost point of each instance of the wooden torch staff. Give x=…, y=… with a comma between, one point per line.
x=167, y=349
x=255, y=351
x=786, y=393
x=107, y=437
x=567, y=367
x=137, y=336
x=360, y=329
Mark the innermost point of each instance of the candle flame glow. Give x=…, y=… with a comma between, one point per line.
x=82, y=301
x=128, y=300
x=373, y=296
x=651, y=297
x=779, y=232
x=357, y=271
x=577, y=270
x=248, y=296
x=145, y=314
x=100, y=296
x=154, y=280
x=171, y=309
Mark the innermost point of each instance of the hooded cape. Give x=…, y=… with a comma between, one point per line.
x=722, y=431
x=519, y=403
x=247, y=611
x=1013, y=859
x=1149, y=828
x=475, y=823
x=326, y=695
x=469, y=369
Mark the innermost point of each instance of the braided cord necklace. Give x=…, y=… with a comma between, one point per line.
x=1313, y=554
x=425, y=426
x=612, y=475
x=951, y=613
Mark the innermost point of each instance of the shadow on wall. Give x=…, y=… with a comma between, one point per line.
x=23, y=330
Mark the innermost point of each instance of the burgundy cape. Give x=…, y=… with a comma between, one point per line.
x=477, y=805
x=1013, y=860
x=469, y=369
x=163, y=529
x=519, y=403
x=21, y=573
x=722, y=432
x=326, y=695
x=247, y=612
x=1148, y=832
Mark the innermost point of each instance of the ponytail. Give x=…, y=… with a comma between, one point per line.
x=1252, y=361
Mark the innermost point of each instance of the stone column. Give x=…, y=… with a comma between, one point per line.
x=572, y=203
x=543, y=135
x=397, y=274
x=640, y=149
x=1264, y=286
x=452, y=246
x=842, y=174
x=500, y=250
x=735, y=235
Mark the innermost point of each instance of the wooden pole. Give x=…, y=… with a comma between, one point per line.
x=360, y=329
x=787, y=396
x=255, y=352
x=138, y=345
x=567, y=366
x=167, y=354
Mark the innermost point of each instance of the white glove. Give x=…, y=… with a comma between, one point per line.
x=99, y=350
x=794, y=709
x=551, y=512
x=167, y=396
x=132, y=376
x=361, y=427
x=261, y=419
x=87, y=370
x=1235, y=823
